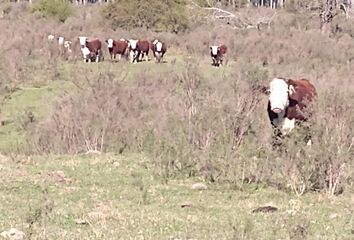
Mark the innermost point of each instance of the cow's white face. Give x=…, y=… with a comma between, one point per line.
x=279, y=95
x=110, y=43
x=67, y=45
x=155, y=41
x=82, y=41
x=60, y=40
x=50, y=38
x=214, y=50
x=132, y=44
x=158, y=46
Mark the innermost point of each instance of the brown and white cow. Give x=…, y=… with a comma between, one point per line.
x=138, y=49
x=117, y=47
x=91, y=49
x=217, y=53
x=288, y=100
x=158, y=48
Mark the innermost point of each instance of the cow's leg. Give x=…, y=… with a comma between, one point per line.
x=119, y=57
x=132, y=56
x=137, y=56
x=147, y=56
x=97, y=59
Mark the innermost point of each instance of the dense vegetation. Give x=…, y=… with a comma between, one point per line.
x=57, y=9
x=157, y=15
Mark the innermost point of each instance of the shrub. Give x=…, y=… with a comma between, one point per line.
x=166, y=15
x=57, y=9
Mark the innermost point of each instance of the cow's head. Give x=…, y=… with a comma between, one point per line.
x=132, y=43
x=67, y=45
x=83, y=41
x=60, y=40
x=50, y=38
x=158, y=46
x=214, y=50
x=109, y=43
x=280, y=92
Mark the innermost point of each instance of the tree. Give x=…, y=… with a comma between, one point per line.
x=158, y=15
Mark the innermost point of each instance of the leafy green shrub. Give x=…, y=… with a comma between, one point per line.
x=57, y=9
x=166, y=15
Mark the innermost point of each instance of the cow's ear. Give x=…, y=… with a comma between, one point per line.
x=210, y=47
x=294, y=92
x=106, y=41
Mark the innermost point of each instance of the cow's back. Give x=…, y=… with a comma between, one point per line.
x=120, y=46
x=143, y=45
x=223, y=49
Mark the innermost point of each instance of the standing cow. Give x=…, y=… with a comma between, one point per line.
x=91, y=49
x=117, y=47
x=217, y=54
x=288, y=100
x=158, y=48
x=138, y=49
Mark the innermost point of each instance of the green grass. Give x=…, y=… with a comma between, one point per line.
x=122, y=197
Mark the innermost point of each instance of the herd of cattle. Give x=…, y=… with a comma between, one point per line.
x=287, y=98
x=136, y=49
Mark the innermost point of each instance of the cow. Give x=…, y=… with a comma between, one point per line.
x=288, y=100
x=51, y=38
x=91, y=49
x=117, y=47
x=158, y=48
x=217, y=54
x=138, y=49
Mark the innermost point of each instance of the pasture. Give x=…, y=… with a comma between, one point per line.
x=113, y=150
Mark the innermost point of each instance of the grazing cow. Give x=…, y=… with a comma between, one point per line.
x=158, y=48
x=117, y=47
x=217, y=54
x=138, y=49
x=287, y=101
x=144, y=47
x=91, y=49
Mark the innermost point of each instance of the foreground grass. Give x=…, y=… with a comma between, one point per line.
x=123, y=197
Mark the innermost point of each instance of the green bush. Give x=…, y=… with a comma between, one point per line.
x=57, y=9
x=166, y=15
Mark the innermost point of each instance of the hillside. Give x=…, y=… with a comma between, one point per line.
x=111, y=149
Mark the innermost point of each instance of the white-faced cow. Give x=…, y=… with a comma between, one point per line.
x=91, y=49
x=158, y=48
x=217, y=54
x=138, y=49
x=288, y=100
x=117, y=47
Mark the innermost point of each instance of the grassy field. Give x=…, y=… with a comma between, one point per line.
x=167, y=127
x=123, y=197
x=113, y=196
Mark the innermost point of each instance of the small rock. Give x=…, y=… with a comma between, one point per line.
x=265, y=209
x=199, y=186
x=13, y=234
x=186, y=205
x=81, y=222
